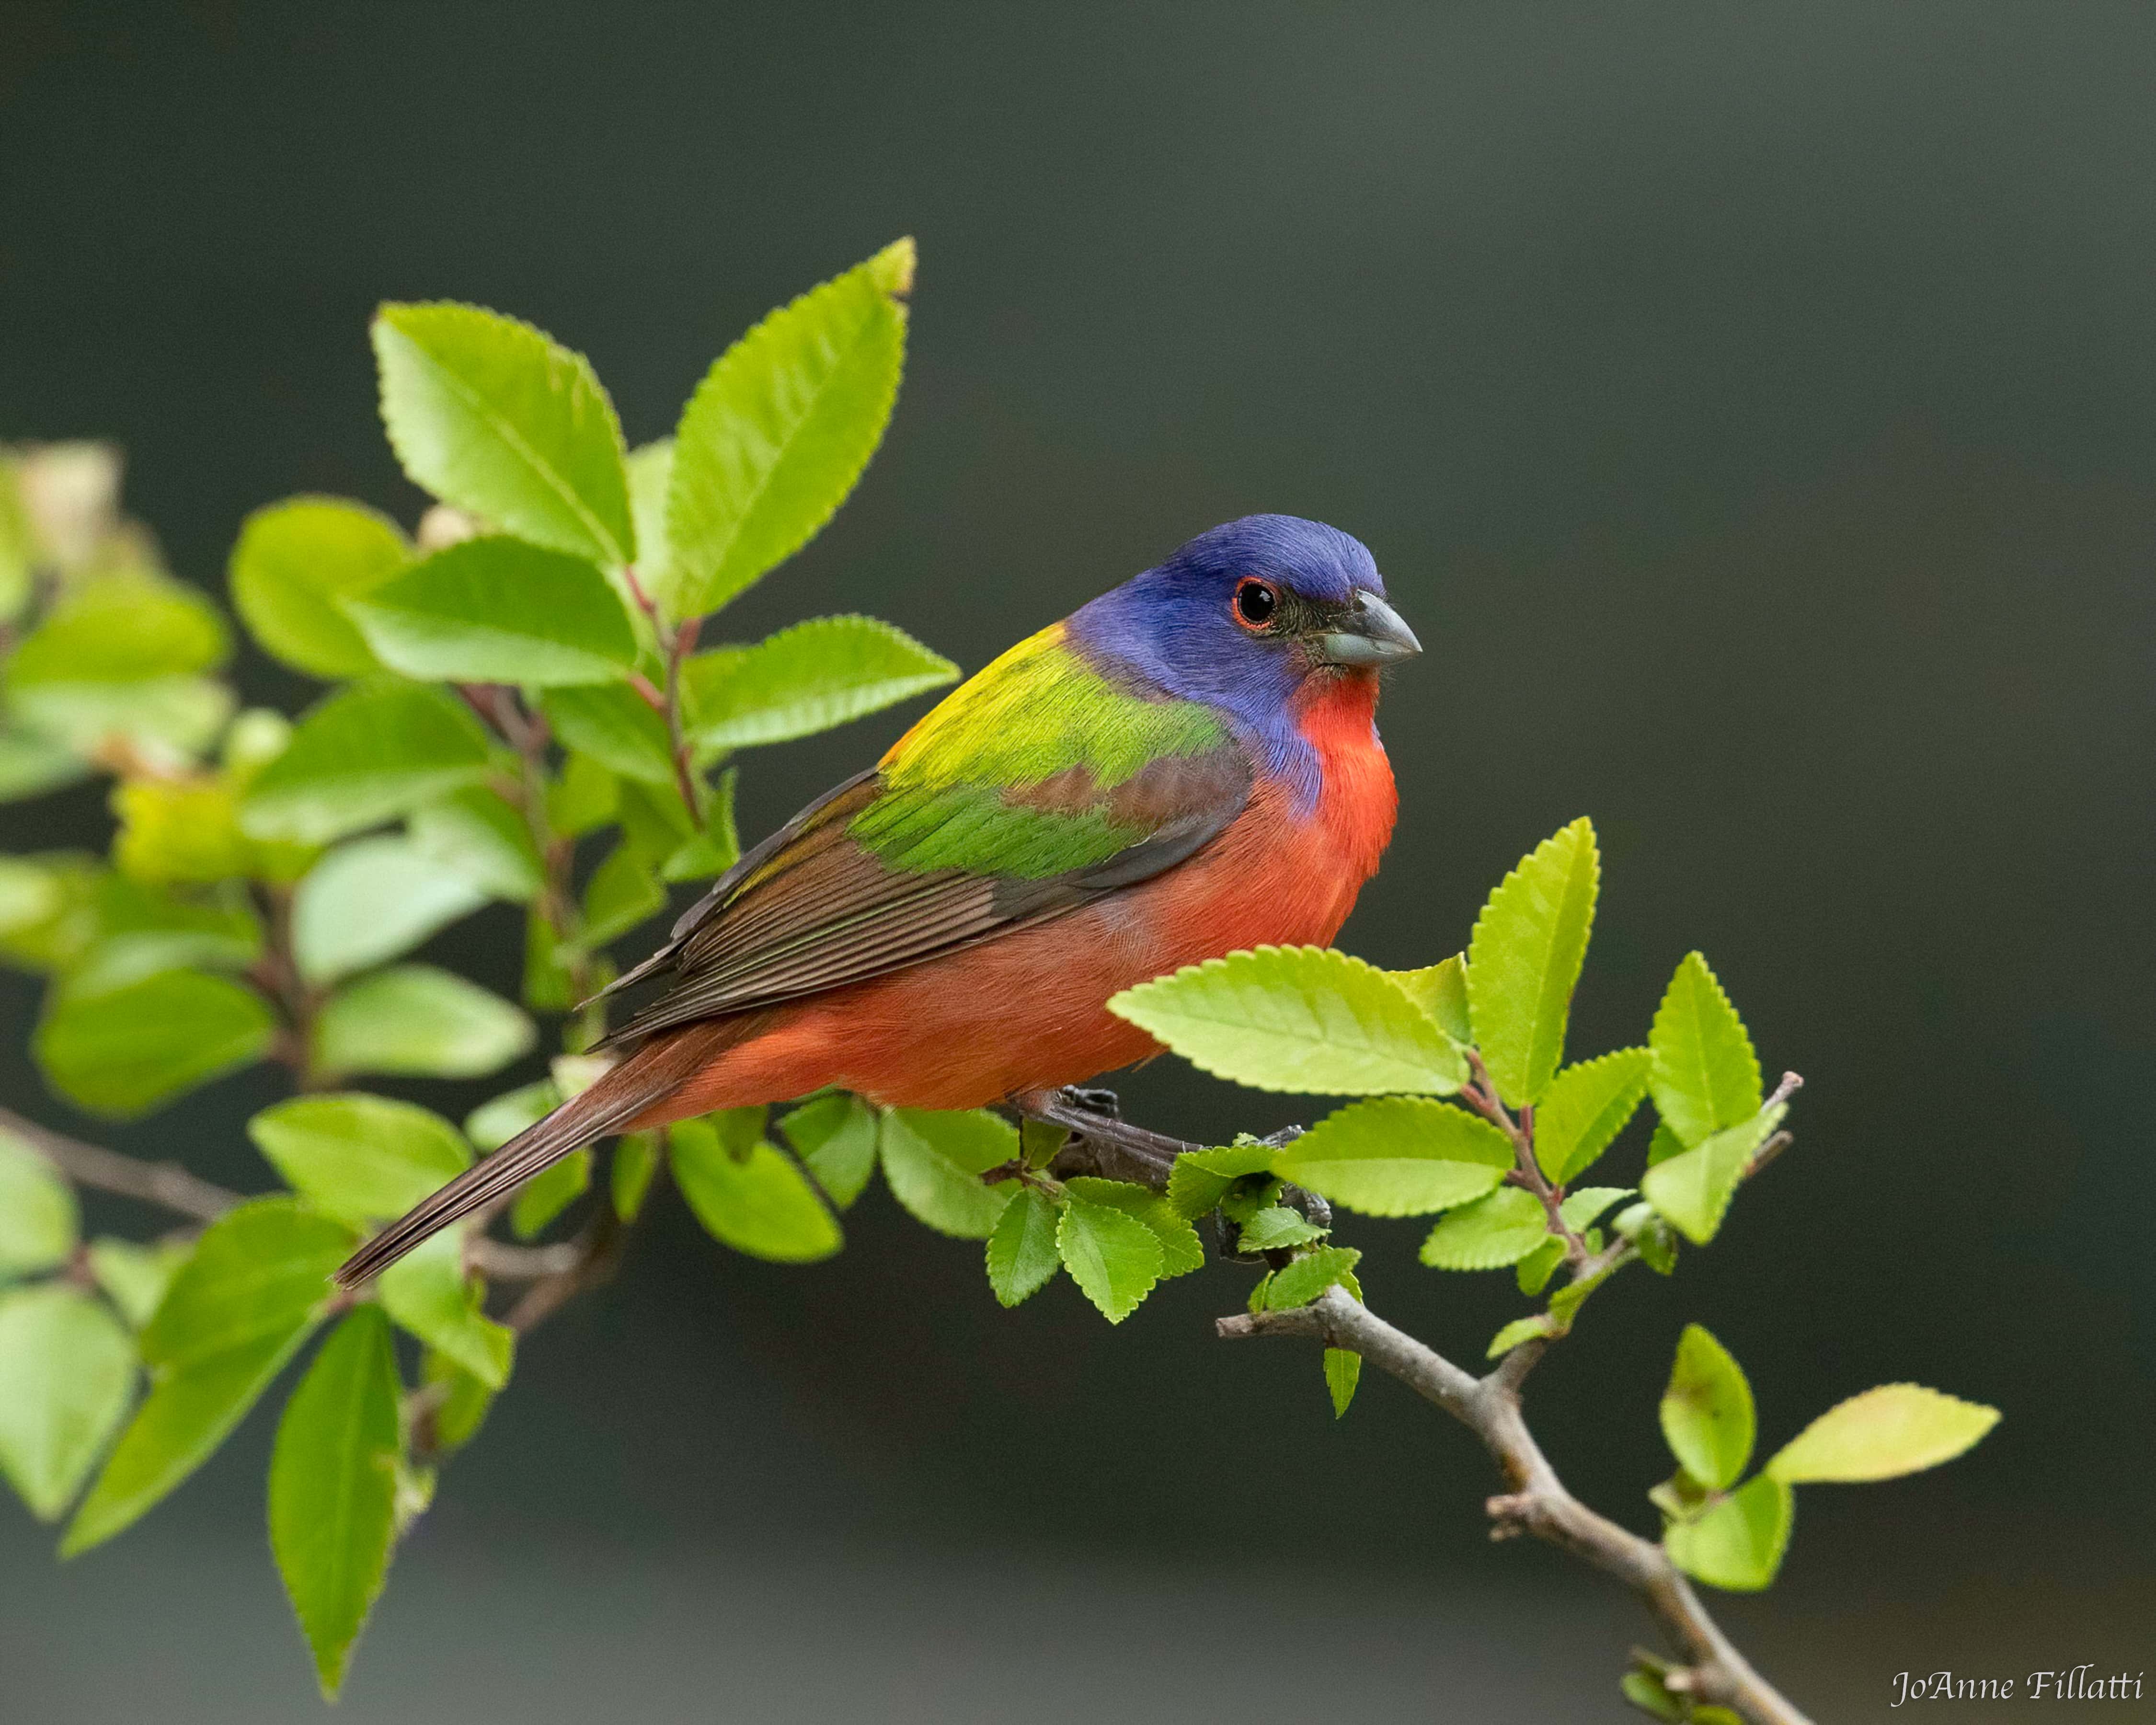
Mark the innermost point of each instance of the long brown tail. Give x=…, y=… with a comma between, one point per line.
x=638, y=1085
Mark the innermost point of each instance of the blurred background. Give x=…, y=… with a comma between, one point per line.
x=1750, y=409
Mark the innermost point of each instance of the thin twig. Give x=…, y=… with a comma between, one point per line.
x=678, y=649
x=1481, y=1095
x=171, y=1187
x=1538, y=1502
x=165, y=1184
x=596, y=1253
x=276, y=974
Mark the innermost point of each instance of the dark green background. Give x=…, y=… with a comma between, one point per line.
x=1750, y=406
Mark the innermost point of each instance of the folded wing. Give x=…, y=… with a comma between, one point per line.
x=1038, y=787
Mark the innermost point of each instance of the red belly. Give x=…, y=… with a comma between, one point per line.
x=1025, y=1011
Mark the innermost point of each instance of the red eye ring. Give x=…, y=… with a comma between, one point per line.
x=1256, y=604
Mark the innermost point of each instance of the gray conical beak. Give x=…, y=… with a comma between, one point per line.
x=1371, y=633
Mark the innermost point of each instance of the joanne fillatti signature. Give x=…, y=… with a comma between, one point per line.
x=2080, y=1682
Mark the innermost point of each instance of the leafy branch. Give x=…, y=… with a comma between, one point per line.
x=1469, y=1112
x=528, y=710
x=1715, y=1673
x=170, y=1187
x=525, y=711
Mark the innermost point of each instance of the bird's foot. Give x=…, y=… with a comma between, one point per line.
x=1099, y=1138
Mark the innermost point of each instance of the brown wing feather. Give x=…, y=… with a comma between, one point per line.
x=811, y=909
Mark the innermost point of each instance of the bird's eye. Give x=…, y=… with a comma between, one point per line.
x=1256, y=603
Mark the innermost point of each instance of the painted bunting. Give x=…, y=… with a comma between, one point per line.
x=1187, y=766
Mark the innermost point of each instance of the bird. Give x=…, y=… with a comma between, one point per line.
x=1185, y=767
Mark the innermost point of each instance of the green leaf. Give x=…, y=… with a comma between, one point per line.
x=651, y=477
x=583, y=797
x=1301, y=1282
x=32, y=764
x=1646, y=1691
x=933, y=1163
x=1022, y=1255
x=1247, y=1196
x=614, y=726
x=1344, y=1371
x=1201, y=1178
x=19, y=551
x=1114, y=1258
x=259, y=1270
x=1706, y=1411
x=1489, y=1233
x=1181, y=1251
x=366, y=754
x=1582, y=1206
x=1693, y=1188
x=1441, y=991
x=656, y=822
x=416, y=1020
x=333, y=1488
x=497, y=610
x=189, y=1411
x=1275, y=1227
x=1565, y=1303
x=38, y=1217
x=134, y=1277
x=256, y=1285
x=806, y=679
x=629, y=1174
x=549, y=1192
x=1897, y=1428
x=780, y=428
x=30, y=894
x=1303, y=1019
x=1520, y=1329
x=475, y=833
x=1524, y=959
x=52, y=918
x=133, y=931
x=428, y=1293
x=359, y=1156
x=293, y=564
x=1584, y=1108
x=836, y=1135
x=1041, y=1143
x=124, y=1052
x=1738, y=1544
x=187, y=830
x=1402, y=1156
x=167, y=721
x=130, y=626
x=751, y=1197
x=1705, y=1076
x=493, y=416
x=67, y=1369
x=548, y=987
x=466, y=1401
x=1534, y=1272
x=622, y=892
x=370, y=899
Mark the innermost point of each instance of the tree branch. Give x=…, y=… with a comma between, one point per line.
x=171, y=1187
x=165, y=1184
x=1538, y=1502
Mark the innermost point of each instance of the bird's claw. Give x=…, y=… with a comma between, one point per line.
x=1105, y=1103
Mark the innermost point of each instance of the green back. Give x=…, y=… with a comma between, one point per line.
x=954, y=784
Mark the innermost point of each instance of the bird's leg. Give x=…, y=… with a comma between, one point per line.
x=1093, y=1118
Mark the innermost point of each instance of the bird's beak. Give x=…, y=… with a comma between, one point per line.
x=1370, y=631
